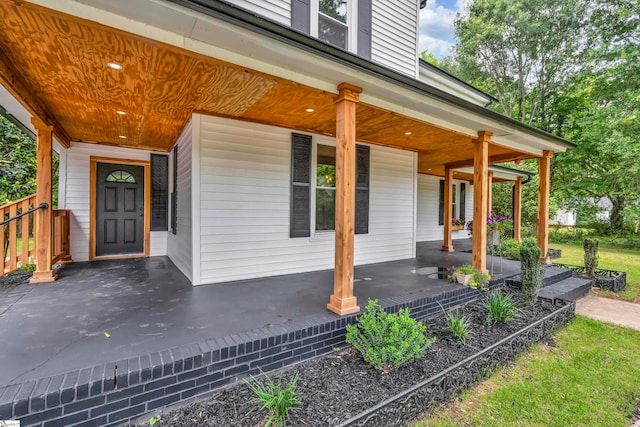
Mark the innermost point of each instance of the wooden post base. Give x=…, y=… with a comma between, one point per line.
x=343, y=306
x=43, y=276
x=545, y=260
x=446, y=248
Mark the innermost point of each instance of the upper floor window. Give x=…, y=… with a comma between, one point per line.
x=333, y=26
x=342, y=23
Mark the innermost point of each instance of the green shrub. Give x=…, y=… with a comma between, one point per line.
x=531, y=272
x=463, y=269
x=385, y=339
x=28, y=268
x=458, y=325
x=511, y=249
x=529, y=241
x=590, y=256
x=501, y=308
x=275, y=398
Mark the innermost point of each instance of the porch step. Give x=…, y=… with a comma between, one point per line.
x=570, y=289
x=552, y=275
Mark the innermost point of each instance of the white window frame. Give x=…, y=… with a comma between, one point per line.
x=314, y=180
x=352, y=23
x=454, y=202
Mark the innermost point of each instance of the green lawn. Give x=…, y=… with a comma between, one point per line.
x=590, y=377
x=611, y=258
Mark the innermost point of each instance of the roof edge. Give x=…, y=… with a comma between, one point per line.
x=447, y=74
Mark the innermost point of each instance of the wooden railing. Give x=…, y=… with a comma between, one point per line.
x=61, y=253
x=17, y=245
x=16, y=237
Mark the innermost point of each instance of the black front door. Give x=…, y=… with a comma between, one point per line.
x=119, y=209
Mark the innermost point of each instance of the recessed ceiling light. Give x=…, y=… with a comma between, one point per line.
x=114, y=65
x=122, y=113
x=309, y=110
x=123, y=137
x=407, y=133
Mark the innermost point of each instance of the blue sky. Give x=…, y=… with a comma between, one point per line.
x=436, y=25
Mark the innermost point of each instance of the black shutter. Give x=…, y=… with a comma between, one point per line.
x=301, y=15
x=364, y=28
x=159, y=192
x=463, y=197
x=300, y=219
x=441, y=204
x=362, y=189
x=174, y=194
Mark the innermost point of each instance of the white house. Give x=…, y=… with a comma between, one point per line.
x=252, y=138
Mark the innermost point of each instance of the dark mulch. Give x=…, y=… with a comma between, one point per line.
x=16, y=278
x=340, y=385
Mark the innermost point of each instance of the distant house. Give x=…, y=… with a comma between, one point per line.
x=246, y=139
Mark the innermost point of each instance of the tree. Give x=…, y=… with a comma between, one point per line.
x=17, y=163
x=522, y=51
x=602, y=114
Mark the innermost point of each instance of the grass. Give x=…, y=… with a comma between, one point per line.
x=627, y=260
x=279, y=400
x=591, y=377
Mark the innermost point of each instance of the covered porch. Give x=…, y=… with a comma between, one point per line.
x=146, y=305
x=110, y=84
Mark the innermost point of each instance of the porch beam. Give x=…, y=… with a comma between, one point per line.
x=498, y=158
x=15, y=85
x=43, y=218
x=480, y=187
x=448, y=210
x=490, y=192
x=343, y=301
x=517, y=209
x=544, y=173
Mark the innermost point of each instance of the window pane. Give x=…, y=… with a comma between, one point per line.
x=337, y=9
x=326, y=166
x=325, y=209
x=120, y=176
x=332, y=32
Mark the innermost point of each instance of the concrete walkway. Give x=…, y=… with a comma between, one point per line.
x=609, y=310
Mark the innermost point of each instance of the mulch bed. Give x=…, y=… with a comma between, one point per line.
x=16, y=278
x=341, y=385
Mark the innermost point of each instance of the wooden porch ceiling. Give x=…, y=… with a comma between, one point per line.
x=57, y=65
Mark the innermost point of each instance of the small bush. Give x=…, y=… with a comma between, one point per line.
x=479, y=279
x=275, y=398
x=458, y=325
x=385, y=339
x=28, y=268
x=531, y=272
x=590, y=256
x=501, y=308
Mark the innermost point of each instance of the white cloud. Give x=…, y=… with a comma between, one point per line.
x=436, y=26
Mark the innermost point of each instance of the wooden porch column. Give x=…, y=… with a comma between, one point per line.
x=342, y=301
x=43, y=217
x=490, y=192
x=448, y=210
x=544, y=185
x=480, y=205
x=517, y=209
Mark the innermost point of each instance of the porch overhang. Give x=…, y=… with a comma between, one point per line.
x=214, y=58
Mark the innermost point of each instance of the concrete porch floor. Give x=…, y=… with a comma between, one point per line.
x=147, y=305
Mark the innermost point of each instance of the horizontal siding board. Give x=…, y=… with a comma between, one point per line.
x=276, y=10
x=245, y=206
x=394, y=35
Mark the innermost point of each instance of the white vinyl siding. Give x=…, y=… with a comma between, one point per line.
x=428, y=205
x=276, y=10
x=77, y=194
x=394, y=35
x=245, y=206
x=180, y=245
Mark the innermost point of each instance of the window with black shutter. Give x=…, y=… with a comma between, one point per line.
x=159, y=192
x=324, y=181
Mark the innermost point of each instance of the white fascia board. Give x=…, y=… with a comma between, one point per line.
x=452, y=86
x=498, y=173
x=227, y=42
